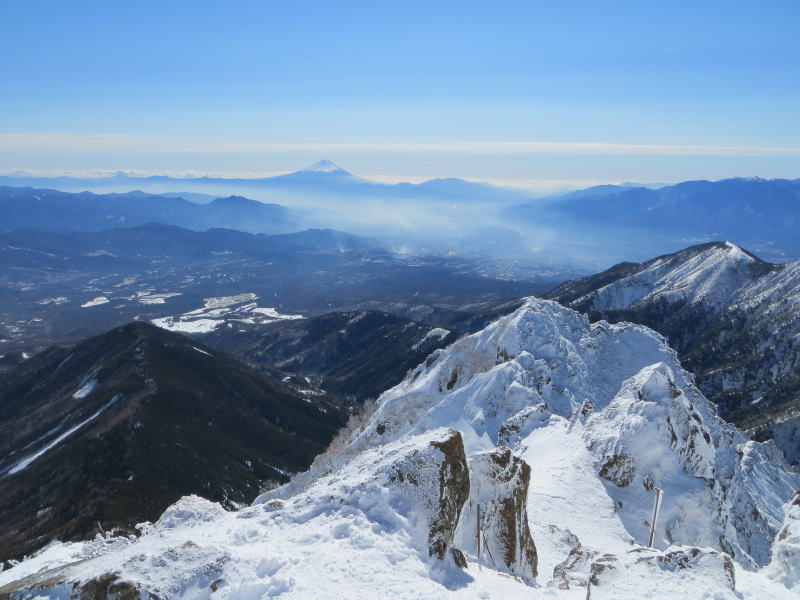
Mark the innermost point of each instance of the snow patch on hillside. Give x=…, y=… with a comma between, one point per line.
x=25, y=462
x=86, y=388
x=95, y=302
x=221, y=310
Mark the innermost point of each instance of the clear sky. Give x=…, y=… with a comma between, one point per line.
x=527, y=93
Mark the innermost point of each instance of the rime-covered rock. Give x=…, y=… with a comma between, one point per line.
x=189, y=511
x=648, y=425
x=785, y=564
x=654, y=435
x=733, y=317
x=644, y=572
x=499, y=486
x=568, y=426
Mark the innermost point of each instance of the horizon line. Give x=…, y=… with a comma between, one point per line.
x=126, y=143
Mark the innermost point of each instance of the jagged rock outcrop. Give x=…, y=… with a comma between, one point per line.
x=733, y=318
x=654, y=435
x=454, y=485
x=594, y=417
x=785, y=564
x=642, y=418
x=499, y=490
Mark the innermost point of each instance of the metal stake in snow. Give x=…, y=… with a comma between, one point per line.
x=656, y=508
x=478, y=532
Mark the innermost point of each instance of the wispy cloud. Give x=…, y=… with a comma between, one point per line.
x=130, y=144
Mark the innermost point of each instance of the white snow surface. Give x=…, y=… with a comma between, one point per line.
x=600, y=413
x=785, y=565
x=95, y=302
x=148, y=298
x=218, y=311
x=322, y=166
x=25, y=462
x=188, y=326
x=437, y=333
x=274, y=314
x=86, y=388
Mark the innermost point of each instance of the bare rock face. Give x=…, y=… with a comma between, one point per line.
x=500, y=483
x=454, y=485
x=785, y=563
x=435, y=477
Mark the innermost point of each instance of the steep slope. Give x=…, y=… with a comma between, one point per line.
x=110, y=432
x=357, y=354
x=733, y=318
x=518, y=462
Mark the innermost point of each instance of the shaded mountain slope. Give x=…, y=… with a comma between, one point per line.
x=109, y=432
x=358, y=353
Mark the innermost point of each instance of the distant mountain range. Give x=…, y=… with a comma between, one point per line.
x=51, y=210
x=321, y=179
x=111, y=431
x=761, y=214
x=590, y=228
x=733, y=318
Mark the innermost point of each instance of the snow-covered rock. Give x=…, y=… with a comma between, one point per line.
x=557, y=428
x=642, y=573
x=497, y=508
x=189, y=511
x=734, y=318
x=785, y=564
x=653, y=436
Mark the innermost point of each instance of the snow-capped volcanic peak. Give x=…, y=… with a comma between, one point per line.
x=324, y=166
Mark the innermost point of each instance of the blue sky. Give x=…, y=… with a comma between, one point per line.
x=527, y=93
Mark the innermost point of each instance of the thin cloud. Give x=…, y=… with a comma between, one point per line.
x=128, y=144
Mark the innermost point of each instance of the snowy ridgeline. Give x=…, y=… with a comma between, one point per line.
x=715, y=276
x=519, y=462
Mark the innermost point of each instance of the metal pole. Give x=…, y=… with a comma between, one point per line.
x=478, y=531
x=656, y=508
